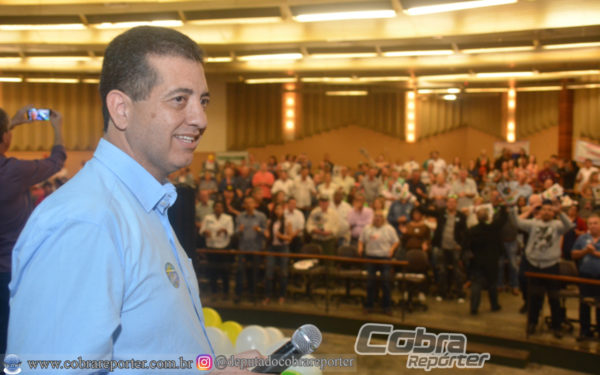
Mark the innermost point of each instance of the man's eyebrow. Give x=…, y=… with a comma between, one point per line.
x=181, y=90
x=205, y=94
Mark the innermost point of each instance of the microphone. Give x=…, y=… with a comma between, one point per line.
x=304, y=341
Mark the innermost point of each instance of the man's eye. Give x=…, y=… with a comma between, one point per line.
x=205, y=102
x=179, y=99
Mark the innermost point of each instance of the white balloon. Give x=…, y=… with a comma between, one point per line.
x=275, y=334
x=252, y=338
x=220, y=341
x=276, y=345
x=306, y=370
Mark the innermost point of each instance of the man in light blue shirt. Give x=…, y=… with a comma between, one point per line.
x=98, y=273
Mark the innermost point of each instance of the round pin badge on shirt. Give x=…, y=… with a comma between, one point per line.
x=172, y=274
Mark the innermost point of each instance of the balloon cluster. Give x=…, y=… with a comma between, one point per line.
x=230, y=337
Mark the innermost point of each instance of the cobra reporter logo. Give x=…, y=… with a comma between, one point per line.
x=12, y=364
x=204, y=362
x=424, y=350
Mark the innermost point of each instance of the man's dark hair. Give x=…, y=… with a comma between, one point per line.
x=126, y=66
x=3, y=123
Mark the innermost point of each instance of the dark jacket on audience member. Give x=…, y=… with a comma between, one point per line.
x=485, y=245
x=460, y=227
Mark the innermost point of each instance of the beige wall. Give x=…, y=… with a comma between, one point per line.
x=343, y=145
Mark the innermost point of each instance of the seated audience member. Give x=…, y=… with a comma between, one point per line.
x=586, y=251
x=283, y=183
x=251, y=226
x=448, y=241
x=542, y=255
x=296, y=218
x=280, y=235
x=485, y=246
x=217, y=229
x=323, y=226
x=359, y=217
x=378, y=241
x=343, y=209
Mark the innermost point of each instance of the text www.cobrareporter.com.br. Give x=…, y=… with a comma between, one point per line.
x=111, y=365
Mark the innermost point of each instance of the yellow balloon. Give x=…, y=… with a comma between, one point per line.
x=232, y=329
x=211, y=317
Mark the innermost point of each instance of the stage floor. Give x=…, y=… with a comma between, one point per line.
x=443, y=316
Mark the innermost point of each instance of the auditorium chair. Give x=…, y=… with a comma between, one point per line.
x=305, y=274
x=413, y=279
x=349, y=280
x=567, y=291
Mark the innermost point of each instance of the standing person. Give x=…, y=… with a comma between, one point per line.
x=508, y=237
x=586, y=251
x=343, y=208
x=280, y=233
x=371, y=184
x=283, y=183
x=252, y=228
x=485, y=245
x=542, y=254
x=97, y=263
x=359, y=218
x=304, y=190
x=378, y=241
x=465, y=188
x=263, y=179
x=217, y=229
x=295, y=217
x=323, y=225
x=16, y=178
x=448, y=241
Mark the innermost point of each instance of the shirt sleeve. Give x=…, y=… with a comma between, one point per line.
x=229, y=225
x=72, y=271
x=31, y=172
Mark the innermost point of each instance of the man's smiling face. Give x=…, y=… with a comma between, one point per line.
x=164, y=129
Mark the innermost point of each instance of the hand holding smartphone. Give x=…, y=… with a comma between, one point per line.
x=38, y=114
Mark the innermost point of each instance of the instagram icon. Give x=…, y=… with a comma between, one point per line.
x=204, y=362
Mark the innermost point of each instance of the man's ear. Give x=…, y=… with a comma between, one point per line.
x=119, y=108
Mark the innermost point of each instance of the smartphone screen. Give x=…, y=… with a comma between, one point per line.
x=38, y=114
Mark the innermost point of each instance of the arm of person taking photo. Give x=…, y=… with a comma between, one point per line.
x=32, y=172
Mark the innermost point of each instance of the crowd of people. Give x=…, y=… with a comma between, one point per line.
x=482, y=224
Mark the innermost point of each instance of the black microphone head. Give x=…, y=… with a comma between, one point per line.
x=307, y=338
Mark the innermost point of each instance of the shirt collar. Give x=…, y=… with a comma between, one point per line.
x=150, y=193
